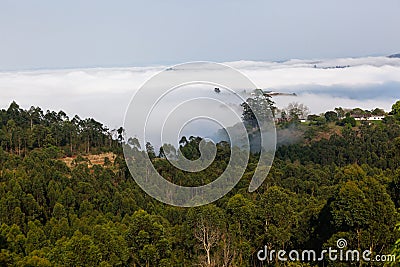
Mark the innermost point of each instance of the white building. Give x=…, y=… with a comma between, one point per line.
x=368, y=118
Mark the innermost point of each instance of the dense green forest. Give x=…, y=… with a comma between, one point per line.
x=342, y=180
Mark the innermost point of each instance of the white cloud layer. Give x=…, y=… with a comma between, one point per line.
x=104, y=93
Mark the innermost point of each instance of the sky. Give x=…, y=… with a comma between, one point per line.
x=89, y=57
x=48, y=34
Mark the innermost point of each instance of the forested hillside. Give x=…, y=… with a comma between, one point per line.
x=345, y=185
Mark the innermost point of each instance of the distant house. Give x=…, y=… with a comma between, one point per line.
x=376, y=118
x=367, y=117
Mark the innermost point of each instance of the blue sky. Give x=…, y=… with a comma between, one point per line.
x=73, y=34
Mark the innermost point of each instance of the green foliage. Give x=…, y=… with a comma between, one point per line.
x=278, y=211
x=24, y=130
x=255, y=109
x=345, y=185
x=331, y=116
x=348, y=120
x=396, y=109
x=316, y=120
x=364, y=210
x=396, y=247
